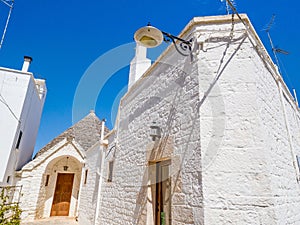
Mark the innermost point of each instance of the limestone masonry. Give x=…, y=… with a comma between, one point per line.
x=226, y=136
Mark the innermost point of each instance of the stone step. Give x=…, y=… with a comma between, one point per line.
x=52, y=221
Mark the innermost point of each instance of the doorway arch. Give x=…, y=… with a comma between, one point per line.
x=49, y=202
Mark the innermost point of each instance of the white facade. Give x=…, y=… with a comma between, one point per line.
x=228, y=137
x=229, y=131
x=22, y=99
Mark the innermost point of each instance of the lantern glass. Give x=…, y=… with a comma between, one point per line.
x=155, y=131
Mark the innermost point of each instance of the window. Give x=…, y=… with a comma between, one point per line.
x=8, y=179
x=19, y=139
x=110, y=171
x=85, y=177
x=47, y=180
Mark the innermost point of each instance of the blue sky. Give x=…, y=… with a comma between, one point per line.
x=66, y=37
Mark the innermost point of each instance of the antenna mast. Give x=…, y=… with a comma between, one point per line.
x=274, y=50
x=10, y=4
x=278, y=50
x=229, y=4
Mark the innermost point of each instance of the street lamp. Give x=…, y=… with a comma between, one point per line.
x=155, y=131
x=151, y=37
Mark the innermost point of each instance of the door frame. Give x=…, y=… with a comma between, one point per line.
x=157, y=198
x=55, y=189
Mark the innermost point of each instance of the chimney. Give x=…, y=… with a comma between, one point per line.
x=139, y=64
x=26, y=64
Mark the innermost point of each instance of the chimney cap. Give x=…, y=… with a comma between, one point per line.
x=27, y=58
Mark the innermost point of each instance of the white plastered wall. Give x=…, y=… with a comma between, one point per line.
x=21, y=105
x=36, y=201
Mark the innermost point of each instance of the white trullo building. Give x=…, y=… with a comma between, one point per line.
x=21, y=103
x=209, y=139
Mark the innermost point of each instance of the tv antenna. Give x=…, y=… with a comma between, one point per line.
x=10, y=4
x=275, y=50
x=229, y=5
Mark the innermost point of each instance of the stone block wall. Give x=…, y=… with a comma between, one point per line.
x=168, y=96
x=89, y=189
x=223, y=127
x=248, y=173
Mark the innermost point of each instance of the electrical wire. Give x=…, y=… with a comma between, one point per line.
x=285, y=73
x=11, y=111
x=7, y=20
x=6, y=2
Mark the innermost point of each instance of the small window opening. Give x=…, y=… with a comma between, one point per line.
x=85, y=177
x=47, y=180
x=110, y=171
x=8, y=179
x=19, y=139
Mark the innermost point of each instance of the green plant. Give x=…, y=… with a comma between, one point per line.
x=10, y=212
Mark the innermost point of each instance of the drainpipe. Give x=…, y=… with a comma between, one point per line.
x=80, y=189
x=102, y=154
x=294, y=157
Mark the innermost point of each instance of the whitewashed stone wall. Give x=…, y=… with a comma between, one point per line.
x=250, y=178
x=36, y=200
x=236, y=186
x=89, y=191
x=168, y=96
x=232, y=159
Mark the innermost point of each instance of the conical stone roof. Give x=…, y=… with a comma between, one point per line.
x=86, y=133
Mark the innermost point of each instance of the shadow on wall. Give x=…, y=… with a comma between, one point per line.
x=164, y=148
x=161, y=148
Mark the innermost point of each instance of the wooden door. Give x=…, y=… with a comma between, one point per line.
x=163, y=194
x=62, y=194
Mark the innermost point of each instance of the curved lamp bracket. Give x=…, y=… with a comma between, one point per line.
x=151, y=37
x=184, y=47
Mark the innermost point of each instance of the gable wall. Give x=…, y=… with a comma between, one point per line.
x=36, y=201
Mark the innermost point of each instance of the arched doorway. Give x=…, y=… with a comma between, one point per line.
x=60, y=187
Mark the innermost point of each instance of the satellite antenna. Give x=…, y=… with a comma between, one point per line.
x=10, y=4
x=275, y=50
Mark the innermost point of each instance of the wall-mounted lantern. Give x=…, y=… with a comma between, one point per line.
x=155, y=131
x=66, y=166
